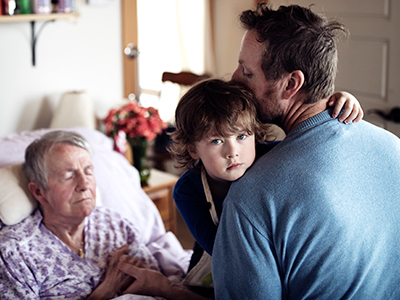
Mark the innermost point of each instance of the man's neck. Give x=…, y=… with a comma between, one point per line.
x=300, y=112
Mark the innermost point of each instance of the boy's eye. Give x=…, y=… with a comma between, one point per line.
x=216, y=141
x=242, y=137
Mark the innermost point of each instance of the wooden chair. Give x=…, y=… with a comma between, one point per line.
x=183, y=78
x=160, y=154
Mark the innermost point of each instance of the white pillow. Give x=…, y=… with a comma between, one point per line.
x=16, y=201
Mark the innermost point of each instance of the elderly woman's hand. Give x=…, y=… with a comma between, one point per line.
x=153, y=283
x=114, y=277
x=115, y=280
x=147, y=282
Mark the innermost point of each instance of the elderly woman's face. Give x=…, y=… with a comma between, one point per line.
x=71, y=191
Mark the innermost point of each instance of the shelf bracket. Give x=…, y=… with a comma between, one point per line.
x=34, y=37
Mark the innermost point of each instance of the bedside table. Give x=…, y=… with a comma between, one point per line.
x=159, y=188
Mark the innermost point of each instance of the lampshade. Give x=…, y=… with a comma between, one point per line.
x=74, y=109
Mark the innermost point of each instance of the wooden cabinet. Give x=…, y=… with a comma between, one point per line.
x=159, y=188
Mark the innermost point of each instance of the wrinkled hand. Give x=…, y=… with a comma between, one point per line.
x=147, y=282
x=153, y=283
x=114, y=278
x=352, y=108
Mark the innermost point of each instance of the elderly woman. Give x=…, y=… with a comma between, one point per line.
x=67, y=248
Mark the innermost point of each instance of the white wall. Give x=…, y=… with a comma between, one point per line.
x=81, y=55
x=84, y=55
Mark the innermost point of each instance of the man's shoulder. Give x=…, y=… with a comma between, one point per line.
x=380, y=132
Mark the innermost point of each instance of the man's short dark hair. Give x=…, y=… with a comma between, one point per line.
x=295, y=38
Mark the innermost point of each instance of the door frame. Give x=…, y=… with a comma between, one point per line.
x=129, y=35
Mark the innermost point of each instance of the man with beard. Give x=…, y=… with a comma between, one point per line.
x=317, y=216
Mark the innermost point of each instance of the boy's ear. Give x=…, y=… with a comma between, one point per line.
x=37, y=192
x=192, y=151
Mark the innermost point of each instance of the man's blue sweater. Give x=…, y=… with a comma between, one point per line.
x=318, y=217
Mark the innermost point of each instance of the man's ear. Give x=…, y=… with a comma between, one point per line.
x=294, y=82
x=37, y=192
x=192, y=151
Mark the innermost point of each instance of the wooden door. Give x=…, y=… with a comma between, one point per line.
x=129, y=37
x=369, y=63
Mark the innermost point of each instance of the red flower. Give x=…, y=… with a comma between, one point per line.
x=135, y=121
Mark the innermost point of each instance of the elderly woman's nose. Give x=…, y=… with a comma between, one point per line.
x=83, y=182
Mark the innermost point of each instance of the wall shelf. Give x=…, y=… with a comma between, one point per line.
x=38, y=17
x=32, y=18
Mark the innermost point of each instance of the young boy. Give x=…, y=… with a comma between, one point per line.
x=218, y=136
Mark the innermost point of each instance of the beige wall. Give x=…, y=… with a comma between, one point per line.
x=82, y=55
x=228, y=33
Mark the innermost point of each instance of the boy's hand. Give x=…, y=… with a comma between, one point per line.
x=352, y=108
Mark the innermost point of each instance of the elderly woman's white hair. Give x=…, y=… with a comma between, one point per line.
x=35, y=153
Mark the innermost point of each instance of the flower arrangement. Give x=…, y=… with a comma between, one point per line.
x=135, y=121
x=137, y=125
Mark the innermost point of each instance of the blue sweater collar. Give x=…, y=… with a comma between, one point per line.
x=313, y=121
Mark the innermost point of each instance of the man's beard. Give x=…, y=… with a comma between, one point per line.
x=269, y=107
